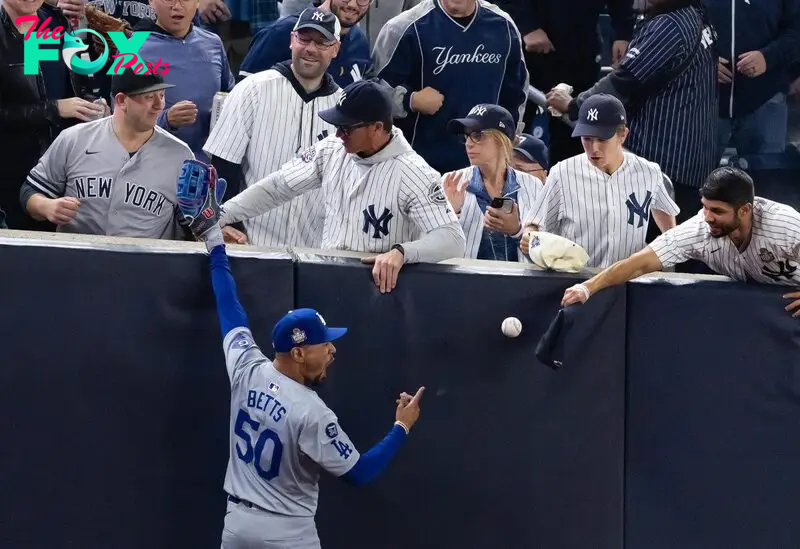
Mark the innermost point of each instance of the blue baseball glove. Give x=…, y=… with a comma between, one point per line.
x=199, y=196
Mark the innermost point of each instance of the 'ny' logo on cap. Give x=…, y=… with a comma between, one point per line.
x=592, y=115
x=318, y=16
x=480, y=111
x=341, y=99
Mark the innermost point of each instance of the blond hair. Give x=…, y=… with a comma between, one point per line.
x=503, y=143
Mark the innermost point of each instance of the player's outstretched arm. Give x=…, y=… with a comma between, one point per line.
x=642, y=262
x=199, y=193
x=371, y=464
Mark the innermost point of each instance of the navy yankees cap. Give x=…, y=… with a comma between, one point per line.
x=320, y=20
x=484, y=117
x=533, y=149
x=362, y=102
x=600, y=116
x=130, y=83
x=551, y=349
x=302, y=327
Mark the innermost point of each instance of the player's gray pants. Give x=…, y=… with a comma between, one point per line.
x=247, y=528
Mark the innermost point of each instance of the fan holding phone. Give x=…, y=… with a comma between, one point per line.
x=490, y=195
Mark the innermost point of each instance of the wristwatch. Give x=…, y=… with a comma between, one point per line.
x=399, y=248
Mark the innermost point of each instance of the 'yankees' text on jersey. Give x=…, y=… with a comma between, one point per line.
x=267, y=119
x=607, y=215
x=120, y=194
x=283, y=434
x=392, y=197
x=470, y=62
x=772, y=256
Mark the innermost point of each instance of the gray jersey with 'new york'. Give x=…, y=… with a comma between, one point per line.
x=119, y=194
x=282, y=434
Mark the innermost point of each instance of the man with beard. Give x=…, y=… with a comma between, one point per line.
x=271, y=116
x=269, y=45
x=737, y=234
x=282, y=433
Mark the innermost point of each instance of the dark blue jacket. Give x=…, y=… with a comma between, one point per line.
x=769, y=26
x=271, y=45
x=475, y=61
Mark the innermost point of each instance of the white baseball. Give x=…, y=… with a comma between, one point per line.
x=511, y=327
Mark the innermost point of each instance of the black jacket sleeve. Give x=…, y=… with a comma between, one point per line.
x=622, y=18
x=232, y=174
x=523, y=14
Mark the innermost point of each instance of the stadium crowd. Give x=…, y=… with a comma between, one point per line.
x=419, y=130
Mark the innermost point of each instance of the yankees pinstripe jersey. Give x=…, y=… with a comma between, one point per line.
x=121, y=194
x=677, y=126
x=266, y=120
x=605, y=214
x=772, y=256
x=392, y=197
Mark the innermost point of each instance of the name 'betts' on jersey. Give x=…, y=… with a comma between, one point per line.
x=282, y=434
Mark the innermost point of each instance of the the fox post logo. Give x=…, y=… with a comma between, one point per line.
x=127, y=56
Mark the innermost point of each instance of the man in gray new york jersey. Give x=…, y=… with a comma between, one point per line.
x=116, y=176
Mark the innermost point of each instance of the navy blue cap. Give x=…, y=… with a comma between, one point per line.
x=533, y=149
x=484, y=117
x=362, y=102
x=130, y=83
x=320, y=20
x=600, y=116
x=302, y=327
x=551, y=349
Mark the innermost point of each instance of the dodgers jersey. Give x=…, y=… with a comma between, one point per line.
x=121, y=194
x=282, y=434
x=607, y=215
x=266, y=120
x=371, y=204
x=771, y=257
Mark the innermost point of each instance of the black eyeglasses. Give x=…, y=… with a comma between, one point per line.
x=347, y=130
x=472, y=136
x=304, y=41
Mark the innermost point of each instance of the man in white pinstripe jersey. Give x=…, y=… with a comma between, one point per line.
x=737, y=234
x=603, y=199
x=270, y=117
x=379, y=195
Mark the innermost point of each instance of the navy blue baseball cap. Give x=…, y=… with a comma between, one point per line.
x=533, y=149
x=362, y=102
x=320, y=20
x=600, y=116
x=302, y=327
x=484, y=117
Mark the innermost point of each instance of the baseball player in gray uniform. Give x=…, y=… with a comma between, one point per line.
x=281, y=433
x=603, y=199
x=737, y=234
x=380, y=196
x=114, y=176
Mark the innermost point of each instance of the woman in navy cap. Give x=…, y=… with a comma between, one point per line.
x=490, y=197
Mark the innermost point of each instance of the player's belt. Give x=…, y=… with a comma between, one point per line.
x=238, y=501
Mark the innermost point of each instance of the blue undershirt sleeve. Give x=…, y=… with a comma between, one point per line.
x=230, y=311
x=374, y=462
